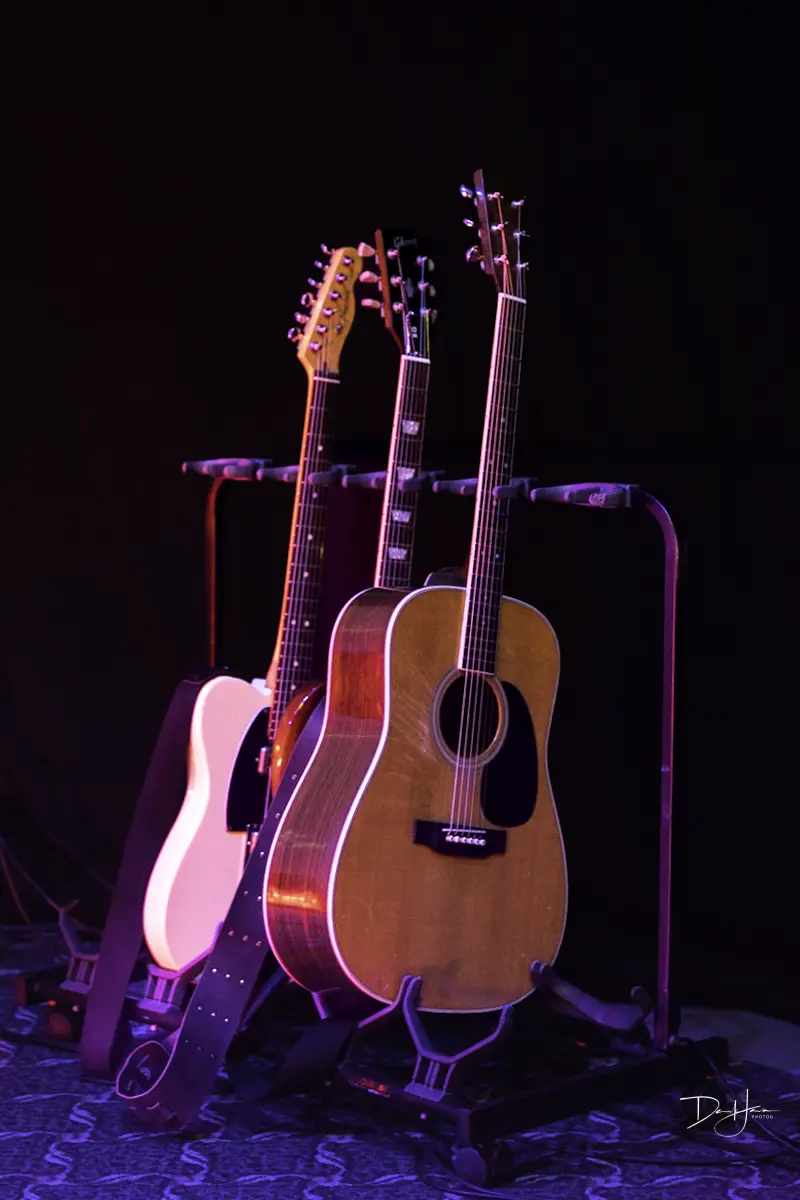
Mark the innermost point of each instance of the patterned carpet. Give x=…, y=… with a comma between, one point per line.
x=61, y=1136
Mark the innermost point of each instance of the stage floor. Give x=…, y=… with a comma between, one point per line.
x=61, y=1136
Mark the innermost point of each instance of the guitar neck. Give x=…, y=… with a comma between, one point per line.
x=484, y=591
x=294, y=651
x=398, y=521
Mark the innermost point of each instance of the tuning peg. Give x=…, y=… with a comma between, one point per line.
x=517, y=203
x=348, y=262
x=325, y=249
x=427, y=263
x=431, y=291
x=301, y=318
x=396, y=281
x=314, y=283
x=434, y=314
x=294, y=335
x=368, y=277
x=315, y=346
x=335, y=295
x=474, y=254
x=326, y=312
x=340, y=277
x=370, y=303
x=466, y=193
x=320, y=266
x=470, y=224
x=392, y=253
x=365, y=251
x=397, y=306
x=322, y=329
x=307, y=300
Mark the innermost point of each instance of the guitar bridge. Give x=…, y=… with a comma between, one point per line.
x=471, y=841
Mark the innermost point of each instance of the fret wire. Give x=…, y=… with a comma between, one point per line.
x=298, y=632
x=485, y=584
x=405, y=453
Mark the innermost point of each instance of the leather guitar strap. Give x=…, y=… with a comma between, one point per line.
x=106, y=1038
x=166, y=1083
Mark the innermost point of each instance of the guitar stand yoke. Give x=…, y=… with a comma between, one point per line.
x=436, y=1091
x=646, y=1064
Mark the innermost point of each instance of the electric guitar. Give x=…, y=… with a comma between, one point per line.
x=202, y=859
x=422, y=837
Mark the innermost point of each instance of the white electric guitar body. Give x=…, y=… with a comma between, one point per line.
x=201, y=862
x=235, y=724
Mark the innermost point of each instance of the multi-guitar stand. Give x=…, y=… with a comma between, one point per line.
x=166, y=1081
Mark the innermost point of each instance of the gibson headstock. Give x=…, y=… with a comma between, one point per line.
x=402, y=280
x=500, y=232
x=331, y=306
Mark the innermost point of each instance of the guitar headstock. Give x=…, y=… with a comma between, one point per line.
x=500, y=231
x=331, y=306
x=405, y=292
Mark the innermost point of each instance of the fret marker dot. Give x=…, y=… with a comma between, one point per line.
x=306, y=624
x=305, y=574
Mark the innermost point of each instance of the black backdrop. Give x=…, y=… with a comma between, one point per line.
x=165, y=197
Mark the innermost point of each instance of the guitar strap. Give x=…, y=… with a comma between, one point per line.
x=166, y=1083
x=105, y=1038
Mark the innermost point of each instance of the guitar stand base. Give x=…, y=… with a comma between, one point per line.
x=557, y=1077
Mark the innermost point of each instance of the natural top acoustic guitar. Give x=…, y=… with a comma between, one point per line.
x=422, y=837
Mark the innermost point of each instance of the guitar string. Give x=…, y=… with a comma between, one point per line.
x=474, y=685
x=296, y=599
x=493, y=515
x=473, y=584
x=414, y=406
x=484, y=549
x=504, y=447
x=399, y=535
x=412, y=403
x=501, y=467
x=302, y=595
x=393, y=498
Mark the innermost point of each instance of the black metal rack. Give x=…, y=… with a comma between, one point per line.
x=647, y=1063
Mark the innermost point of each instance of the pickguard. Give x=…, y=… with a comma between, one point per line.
x=247, y=794
x=510, y=781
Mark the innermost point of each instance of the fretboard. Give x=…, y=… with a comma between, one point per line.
x=478, y=651
x=396, y=541
x=297, y=632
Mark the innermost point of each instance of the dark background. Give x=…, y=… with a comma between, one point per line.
x=165, y=193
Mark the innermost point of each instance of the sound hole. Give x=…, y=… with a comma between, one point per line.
x=468, y=704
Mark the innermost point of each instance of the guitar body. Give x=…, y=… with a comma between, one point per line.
x=201, y=862
x=352, y=901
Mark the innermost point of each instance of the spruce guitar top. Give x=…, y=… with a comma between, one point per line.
x=422, y=837
x=240, y=730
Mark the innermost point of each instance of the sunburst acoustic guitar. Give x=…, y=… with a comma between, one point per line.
x=237, y=727
x=422, y=837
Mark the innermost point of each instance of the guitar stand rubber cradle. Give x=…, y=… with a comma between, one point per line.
x=646, y=1063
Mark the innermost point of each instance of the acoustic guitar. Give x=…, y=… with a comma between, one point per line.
x=422, y=837
x=240, y=732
